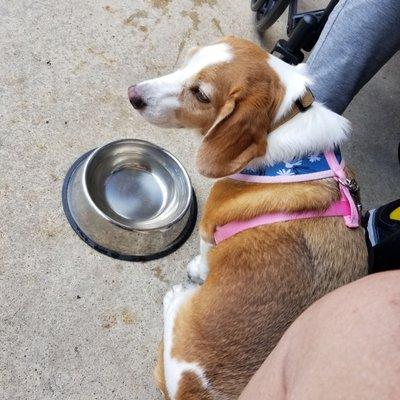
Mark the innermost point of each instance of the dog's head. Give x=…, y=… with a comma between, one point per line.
x=228, y=92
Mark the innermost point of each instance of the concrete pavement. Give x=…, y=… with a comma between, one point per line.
x=75, y=324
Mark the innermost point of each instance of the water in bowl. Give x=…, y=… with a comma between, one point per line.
x=135, y=193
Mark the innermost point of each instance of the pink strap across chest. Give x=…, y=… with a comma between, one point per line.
x=345, y=207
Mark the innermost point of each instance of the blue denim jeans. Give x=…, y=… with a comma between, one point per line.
x=359, y=37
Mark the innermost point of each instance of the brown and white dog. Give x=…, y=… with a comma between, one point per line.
x=216, y=335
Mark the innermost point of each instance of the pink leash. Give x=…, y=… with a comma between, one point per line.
x=344, y=207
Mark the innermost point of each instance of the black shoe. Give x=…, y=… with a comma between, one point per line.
x=383, y=237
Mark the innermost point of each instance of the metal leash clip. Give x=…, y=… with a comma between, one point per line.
x=354, y=190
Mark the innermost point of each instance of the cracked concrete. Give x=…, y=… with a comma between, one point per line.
x=74, y=323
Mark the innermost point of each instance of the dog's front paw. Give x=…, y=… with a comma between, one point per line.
x=174, y=298
x=197, y=271
x=171, y=295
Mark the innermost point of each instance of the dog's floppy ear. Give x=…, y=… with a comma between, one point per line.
x=237, y=136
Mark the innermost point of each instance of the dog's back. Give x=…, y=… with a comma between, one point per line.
x=259, y=282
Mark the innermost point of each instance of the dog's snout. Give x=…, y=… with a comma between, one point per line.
x=136, y=98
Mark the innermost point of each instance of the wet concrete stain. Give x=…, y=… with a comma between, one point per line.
x=158, y=273
x=109, y=9
x=102, y=56
x=4, y=191
x=54, y=177
x=217, y=24
x=160, y=4
x=50, y=232
x=180, y=49
x=199, y=3
x=109, y=321
x=195, y=20
x=127, y=317
x=194, y=16
x=106, y=96
x=41, y=146
x=79, y=67
x=134, y=18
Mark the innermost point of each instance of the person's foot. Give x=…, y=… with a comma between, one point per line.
x=383, y=236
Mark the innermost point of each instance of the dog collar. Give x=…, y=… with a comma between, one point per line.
x=300, y=105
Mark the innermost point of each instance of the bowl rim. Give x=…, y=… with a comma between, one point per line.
x=118, y=223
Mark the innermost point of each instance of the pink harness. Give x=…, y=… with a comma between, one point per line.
x=344, y=207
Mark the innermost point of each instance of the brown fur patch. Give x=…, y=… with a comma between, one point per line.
x=251, y=90
x=190, y=388
x=254, y=92
x=232, y=200
x=260, y=281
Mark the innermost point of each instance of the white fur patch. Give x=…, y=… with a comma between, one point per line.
x=173, y=368
x=161, y=94
x=314, y=131
x=205, y=57
x=197, y=269
x=294, y=79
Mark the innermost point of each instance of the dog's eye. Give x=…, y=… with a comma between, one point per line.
x=200, y=96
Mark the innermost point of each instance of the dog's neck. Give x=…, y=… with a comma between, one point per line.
x=311, y=132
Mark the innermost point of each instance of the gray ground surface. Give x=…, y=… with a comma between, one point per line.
x=76, y=324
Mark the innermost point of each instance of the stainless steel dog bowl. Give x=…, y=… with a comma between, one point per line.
x=131, y=200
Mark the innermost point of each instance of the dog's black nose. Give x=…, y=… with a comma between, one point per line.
x=137, y=102
x=136, y=98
